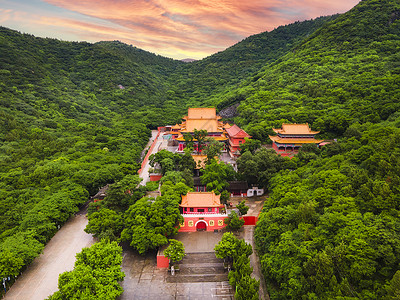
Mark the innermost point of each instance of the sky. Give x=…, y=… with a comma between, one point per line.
x=173, y=28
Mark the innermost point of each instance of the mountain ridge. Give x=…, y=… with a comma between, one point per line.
x=76, y=116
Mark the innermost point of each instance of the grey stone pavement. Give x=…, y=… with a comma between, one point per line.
x=255, y=204
x=40, y=279
x=144, y=281
x=199, y=241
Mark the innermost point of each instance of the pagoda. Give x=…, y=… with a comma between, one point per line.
x=291, y=137
x=201, y=119
x=202, y=211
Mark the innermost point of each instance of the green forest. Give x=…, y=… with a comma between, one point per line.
x=76, y=116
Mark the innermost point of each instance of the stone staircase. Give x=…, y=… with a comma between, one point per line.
x=200, y=267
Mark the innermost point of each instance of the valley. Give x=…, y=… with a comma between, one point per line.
x=75, y=117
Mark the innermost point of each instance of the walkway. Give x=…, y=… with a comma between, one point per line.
x=153, y=145
x=40, y=279
x=248, y=236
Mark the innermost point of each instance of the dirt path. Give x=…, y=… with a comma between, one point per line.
x=248, y=236
x=40, y=279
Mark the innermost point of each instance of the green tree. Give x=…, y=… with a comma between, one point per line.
x=212, y=150
x=233, y=222
x=260, y=167
x=393, y=288
x=226, y=247
x=200, y=136
x=18, y=250
x=105, y=223
x=216, y=175
x=175, y=251
x=149, y=222
x=242, y=207
x=188, y=142
x=96, y=274
x=251, y=145
x=247, y=289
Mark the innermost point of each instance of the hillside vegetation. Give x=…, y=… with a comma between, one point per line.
x=75, y=116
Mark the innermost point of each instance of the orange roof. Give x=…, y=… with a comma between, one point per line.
x=300, y=141
x=211, y=125
x=202, y=118
x=235, y=131
x=227, y=125
x=201, y=199
x=176, y=126
x=202, y=113
x=295, y=129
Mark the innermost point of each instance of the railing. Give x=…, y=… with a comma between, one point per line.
x=200, y=213
x=204, y=214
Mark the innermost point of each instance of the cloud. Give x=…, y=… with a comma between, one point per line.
x=201, y=27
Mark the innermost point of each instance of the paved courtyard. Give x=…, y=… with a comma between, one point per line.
x=144, y=281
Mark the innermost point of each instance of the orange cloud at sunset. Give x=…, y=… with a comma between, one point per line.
x=180, y=28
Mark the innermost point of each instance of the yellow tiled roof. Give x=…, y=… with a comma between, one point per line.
x=202, y=113
x=295, y=129
x=201, y=199
x=299, y=141
x=211, y=125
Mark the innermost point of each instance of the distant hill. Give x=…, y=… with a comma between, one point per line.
x=219, y=72
x=188, y=60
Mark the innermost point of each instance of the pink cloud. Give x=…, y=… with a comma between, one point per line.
x=182, y=26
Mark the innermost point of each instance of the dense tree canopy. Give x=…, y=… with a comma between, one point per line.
x=96, y=274
x=330, y=227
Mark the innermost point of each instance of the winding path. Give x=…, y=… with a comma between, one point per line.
x=40, y=279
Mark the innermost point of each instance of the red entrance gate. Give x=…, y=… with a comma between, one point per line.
x=201, y=226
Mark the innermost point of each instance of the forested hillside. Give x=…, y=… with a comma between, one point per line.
x=331, y=227
x=203, y=81
x=75, y=116
x=344, y=73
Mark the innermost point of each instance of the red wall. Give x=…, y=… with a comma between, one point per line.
x=250, y=220
x=162, y=261
x=155, y=177
x=206, y=218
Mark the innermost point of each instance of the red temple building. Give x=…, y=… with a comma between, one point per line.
x=202, y=211
x=291, y=137
x=201, y=119
x=207, y=119
x=236, y=138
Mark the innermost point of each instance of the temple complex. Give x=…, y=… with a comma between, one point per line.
x=202, y=212
x=207, y=119
x=291, y=137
